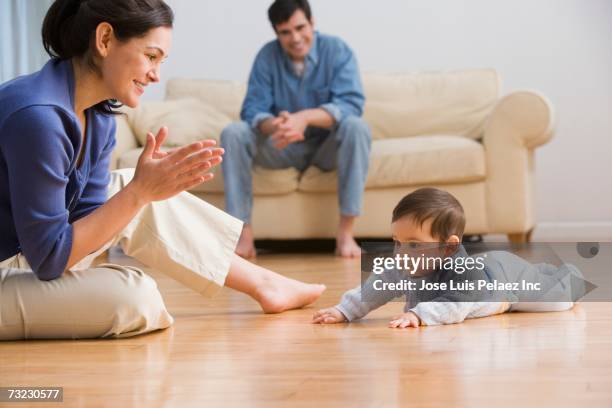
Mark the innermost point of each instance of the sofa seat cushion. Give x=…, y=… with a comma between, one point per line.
x=411, y=161
x=265, y=181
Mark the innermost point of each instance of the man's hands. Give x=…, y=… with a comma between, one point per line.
x=288, y=128
x=405, y=320
x=161, y=175
x=328, y=316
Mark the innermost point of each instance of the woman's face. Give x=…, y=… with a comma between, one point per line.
x=129, y=67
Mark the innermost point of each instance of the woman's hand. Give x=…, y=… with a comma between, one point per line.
x=161, y=175
x=159, y=141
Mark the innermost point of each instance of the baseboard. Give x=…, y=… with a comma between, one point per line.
x=573, y=231
x=566, y=232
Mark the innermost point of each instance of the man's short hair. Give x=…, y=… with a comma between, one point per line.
x=282, y=10
x=441, y=207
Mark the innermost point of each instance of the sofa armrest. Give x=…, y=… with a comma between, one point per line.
x=126, y=140
x=526, y=116
x=520, y=122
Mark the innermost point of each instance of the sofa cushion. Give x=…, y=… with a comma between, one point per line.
x=227, y=96
x=265, y=181
x=188, y=120
x=411, y=161
x=397, y=105
x=430, y=103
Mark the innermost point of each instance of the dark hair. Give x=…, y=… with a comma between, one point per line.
x=441, y=207
x=69, y=27
x=282, y=10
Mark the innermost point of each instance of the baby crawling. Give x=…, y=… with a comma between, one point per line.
x=430, y=223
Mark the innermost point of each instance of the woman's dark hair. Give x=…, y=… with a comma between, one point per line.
x=441, y=207
x=282, y=10
x=69, y=28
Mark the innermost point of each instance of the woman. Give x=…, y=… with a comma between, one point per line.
x=56, y=136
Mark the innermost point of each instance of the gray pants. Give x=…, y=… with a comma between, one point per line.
x=560, y=286
x=345, y=148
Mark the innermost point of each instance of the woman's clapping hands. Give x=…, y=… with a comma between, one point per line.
x=160, y=175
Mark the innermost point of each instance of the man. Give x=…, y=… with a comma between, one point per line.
x=302, y=108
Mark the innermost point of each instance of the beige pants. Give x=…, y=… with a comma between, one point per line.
x=183, y=237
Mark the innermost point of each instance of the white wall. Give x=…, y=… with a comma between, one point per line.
x=562, y=48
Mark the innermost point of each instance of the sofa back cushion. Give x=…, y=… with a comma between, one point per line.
x=226, y=96
x=430, y=103
x=188, y=120
x=397, y=105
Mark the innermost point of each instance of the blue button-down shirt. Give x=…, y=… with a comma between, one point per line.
x=330, y=81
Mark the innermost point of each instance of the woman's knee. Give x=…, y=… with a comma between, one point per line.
x=106, y=301
x=137, y=304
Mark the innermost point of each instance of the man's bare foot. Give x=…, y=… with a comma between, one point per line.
x=281, y=293
x=346, y=246
x=246, y=244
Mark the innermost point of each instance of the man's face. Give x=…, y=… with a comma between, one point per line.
x=295, y=36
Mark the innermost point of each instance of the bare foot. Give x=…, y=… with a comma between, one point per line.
x=246, y=244
x=280, y=293
x=275, y=293
x=347, y=247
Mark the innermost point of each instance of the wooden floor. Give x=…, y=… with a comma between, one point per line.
x=224, y=352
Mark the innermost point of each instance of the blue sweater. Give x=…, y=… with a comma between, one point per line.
x=42, y=192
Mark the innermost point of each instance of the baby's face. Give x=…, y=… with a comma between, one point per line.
x=416, y=240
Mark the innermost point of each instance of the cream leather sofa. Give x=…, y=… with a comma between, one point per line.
x=450, y=130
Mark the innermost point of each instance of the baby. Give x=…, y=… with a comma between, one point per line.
x=430, y=222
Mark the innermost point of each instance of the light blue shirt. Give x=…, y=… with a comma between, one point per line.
x=330, y=81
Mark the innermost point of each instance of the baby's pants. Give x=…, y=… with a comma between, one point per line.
x=560, y=286
x=183, y=237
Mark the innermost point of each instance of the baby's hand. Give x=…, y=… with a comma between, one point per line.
x=328, y=316
x=404, y=320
